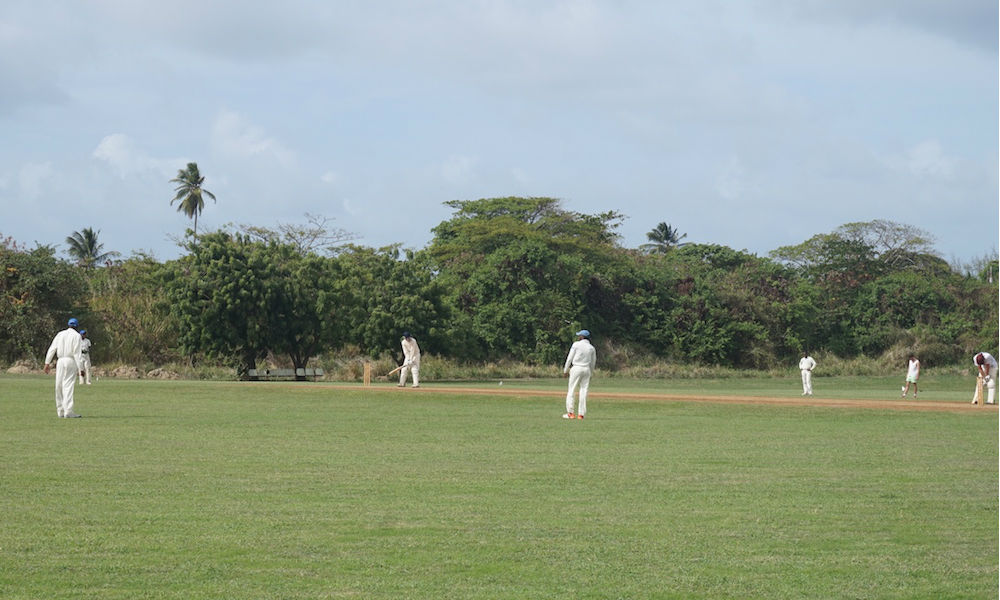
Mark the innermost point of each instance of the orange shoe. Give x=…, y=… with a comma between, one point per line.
x=579, y=416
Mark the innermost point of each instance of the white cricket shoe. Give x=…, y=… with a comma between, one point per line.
x=568, y=416
x=72, y=415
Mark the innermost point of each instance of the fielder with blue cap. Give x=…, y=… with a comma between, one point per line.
x=85, y=366
x=67, y=349
x=579, y=366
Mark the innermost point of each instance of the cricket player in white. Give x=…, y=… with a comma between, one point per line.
x=580, y=366
x=912, y=375
x=85, y=351
x=986, y=367
x=411, y=360
x=67, y=347
x=806, y=365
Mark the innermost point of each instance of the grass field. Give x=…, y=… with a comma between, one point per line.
x=196, y=490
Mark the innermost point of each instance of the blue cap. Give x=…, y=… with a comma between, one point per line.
x=83, y=331
x=406, y=334
x=583, y=332
x=72, y=323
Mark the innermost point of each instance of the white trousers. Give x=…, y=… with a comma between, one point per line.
x=578, y=376
x=807, y=381
x=66, y=374
x=415, y=367
x=86, y=369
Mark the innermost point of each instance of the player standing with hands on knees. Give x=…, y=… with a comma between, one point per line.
x=411, y=360
x=986, y=367
x=66, y=347
x=579, y=367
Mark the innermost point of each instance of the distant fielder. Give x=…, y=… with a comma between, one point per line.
x=85, y=351
x=912, y=375
x=986, y=367
x=806, y=366
x=579, y=366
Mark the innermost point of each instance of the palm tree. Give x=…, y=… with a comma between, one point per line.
x=189, y=192
x=84, y=248
x=662, y=239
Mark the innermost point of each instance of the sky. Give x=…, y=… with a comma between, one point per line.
x=754, y=124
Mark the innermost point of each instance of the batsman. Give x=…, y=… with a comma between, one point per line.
x=411, y=360
x=986, y=367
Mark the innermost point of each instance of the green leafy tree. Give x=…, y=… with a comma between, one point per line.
x=239, y=300
x=859, y=251
x=86, y=250
x=392, y=292
x=731, y=308
x=662, y=239
x=132, y=319
x=190, y=193
x=38, y=293
x=519, y=271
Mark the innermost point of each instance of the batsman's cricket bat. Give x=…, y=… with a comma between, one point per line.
x=979, y=391
x=397, y=369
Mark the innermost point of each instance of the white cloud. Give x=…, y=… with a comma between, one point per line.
x=926, y=159
x=604, y=103
x=234, y=137
x=350, y=208
x=120, y=153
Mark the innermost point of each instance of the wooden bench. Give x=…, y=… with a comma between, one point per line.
x=277, y=374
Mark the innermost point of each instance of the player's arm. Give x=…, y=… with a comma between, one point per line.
x=569, y=359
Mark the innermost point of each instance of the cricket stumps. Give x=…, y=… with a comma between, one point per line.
x=368, y=374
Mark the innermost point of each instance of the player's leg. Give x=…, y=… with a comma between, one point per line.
x=68, y=382
x=416, y=374
x=991, y=386
x=59, y=389
x=584, y=387
x=574, y=381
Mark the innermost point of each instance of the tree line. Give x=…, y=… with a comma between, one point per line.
x=504, y=278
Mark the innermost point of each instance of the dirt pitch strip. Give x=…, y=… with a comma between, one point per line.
x=811, y=401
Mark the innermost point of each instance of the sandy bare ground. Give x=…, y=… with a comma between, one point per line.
x=895, y=404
